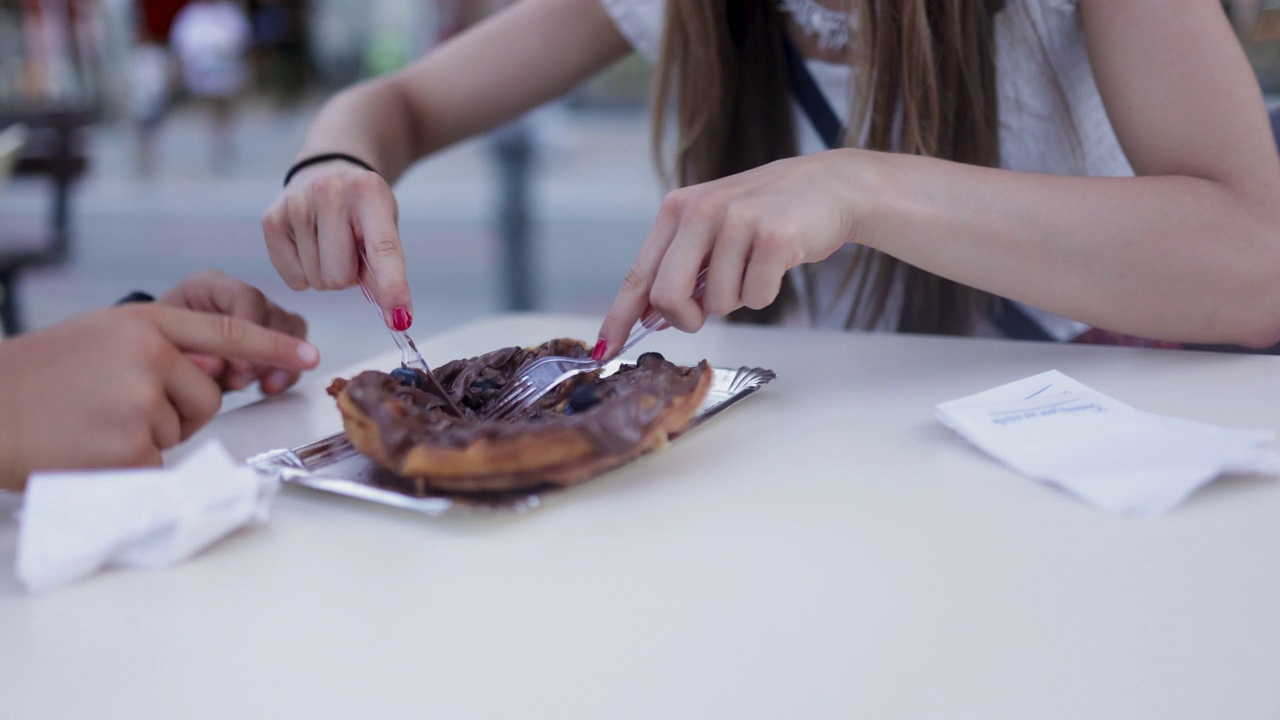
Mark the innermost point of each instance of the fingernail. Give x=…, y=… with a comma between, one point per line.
x=275, y=382
x=401, y=319
x=598, y=353
x=308, y=353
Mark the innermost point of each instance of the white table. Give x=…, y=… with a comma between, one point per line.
x=824, y=550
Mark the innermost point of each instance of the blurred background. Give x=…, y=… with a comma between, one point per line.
x=124, y=172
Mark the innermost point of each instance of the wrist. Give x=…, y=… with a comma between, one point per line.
x=313, y=159
x=871, y=195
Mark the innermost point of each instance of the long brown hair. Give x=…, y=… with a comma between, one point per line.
x=926, y=86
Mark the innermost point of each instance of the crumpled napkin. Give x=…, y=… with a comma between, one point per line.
x=1104, y=452
x=73, y=524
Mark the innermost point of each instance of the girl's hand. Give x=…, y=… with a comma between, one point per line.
x=315, y=229
x=748, y=230
x=211, y=291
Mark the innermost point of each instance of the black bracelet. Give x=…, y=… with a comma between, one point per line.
x=325, y=157
x=137, y=296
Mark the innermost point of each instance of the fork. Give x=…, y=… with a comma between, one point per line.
x=535, y=379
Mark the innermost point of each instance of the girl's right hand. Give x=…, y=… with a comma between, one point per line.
x=315, y=229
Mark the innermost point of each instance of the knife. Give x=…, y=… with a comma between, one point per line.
x=409, y=355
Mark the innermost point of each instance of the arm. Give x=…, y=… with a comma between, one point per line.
x=1189, y=250
x=525, y=55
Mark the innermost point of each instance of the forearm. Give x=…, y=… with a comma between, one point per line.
x=1170, y=257
x=522, y=57
x=370, y=120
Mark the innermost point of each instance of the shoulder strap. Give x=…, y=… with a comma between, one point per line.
x=810, y=97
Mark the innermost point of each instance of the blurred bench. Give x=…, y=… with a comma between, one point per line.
x=53, y=151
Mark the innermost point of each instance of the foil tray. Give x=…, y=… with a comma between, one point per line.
x=332, y=465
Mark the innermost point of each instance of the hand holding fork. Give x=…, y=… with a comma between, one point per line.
x=537, y=378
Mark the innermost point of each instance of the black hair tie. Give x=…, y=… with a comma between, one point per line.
x=325, y=157
x=137, y=296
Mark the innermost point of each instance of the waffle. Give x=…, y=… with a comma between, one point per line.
x=584, y=427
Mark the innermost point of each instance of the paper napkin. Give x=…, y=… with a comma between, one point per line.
x=72, y=524
x=1104, y=452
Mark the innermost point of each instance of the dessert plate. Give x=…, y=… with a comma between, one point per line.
x=332, y=465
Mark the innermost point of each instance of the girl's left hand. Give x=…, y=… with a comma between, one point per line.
x=748, y=230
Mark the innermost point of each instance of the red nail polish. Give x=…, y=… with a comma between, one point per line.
x=598, y=353
x=401, y=319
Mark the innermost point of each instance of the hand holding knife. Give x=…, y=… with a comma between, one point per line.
x=409, y=355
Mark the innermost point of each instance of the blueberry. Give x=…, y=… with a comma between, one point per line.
x=649, y=357
x=583, y=397
x=405, y=376
x=483, y=384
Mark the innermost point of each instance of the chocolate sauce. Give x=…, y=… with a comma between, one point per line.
x=629, y=401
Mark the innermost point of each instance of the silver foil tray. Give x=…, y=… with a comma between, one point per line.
x=332, y=465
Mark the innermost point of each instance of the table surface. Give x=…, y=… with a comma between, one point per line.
x=824, y=549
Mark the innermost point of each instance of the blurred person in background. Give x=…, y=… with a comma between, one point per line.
x=157, y=374
x=150, y=75
x=1069, y=170
x=211, y=39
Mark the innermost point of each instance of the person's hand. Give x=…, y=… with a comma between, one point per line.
x=215, y=292
x=316, y=228
x=115, y=387
x=747, y=229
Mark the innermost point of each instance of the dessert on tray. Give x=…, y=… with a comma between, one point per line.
x=584, y=427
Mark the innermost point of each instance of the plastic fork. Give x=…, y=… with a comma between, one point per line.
x=535, y=379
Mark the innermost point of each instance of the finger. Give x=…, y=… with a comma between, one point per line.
x=277, y=318
x=152, y=458
x=238, y=380
x=765, y=268
x=278, y=233
x=728, y=265
x=194, y=398
x=672, y=293
x=336, y=250
x=302, y=224
x=234, y=297
x=231, y=337
x=277, y=381
x=385, y=261
x=208, y=364
x=166, y=424
x=633, y=297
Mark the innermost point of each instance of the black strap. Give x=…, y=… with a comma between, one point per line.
x=809, y=95
x=1012, y=321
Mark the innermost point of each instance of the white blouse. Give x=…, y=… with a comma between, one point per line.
x=1052, y=121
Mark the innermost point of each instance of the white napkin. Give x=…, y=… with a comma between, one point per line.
x=1116, y=457
x=75, y=523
